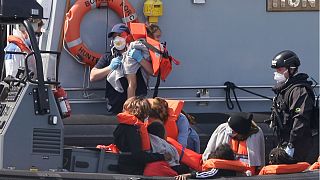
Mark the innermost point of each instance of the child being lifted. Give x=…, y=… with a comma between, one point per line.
x=137, y=51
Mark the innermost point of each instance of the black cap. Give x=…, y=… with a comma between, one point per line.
x=241, y=123
x=118, y=28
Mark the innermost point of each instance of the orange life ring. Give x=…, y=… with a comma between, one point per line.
x=73, y=20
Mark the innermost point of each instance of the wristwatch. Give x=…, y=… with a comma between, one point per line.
x=290, y=145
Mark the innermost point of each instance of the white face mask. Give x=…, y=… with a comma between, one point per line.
x=119, y=43
x=279, y=77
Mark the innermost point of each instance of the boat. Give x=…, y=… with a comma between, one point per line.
x=225, y=48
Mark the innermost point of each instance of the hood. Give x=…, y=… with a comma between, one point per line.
x=300, y=78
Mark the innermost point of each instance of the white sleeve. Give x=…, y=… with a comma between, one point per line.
x=13, y=62
x=256, y=149
x=211, y=146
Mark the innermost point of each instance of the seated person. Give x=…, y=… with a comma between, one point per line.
x=120, y=35
x=223, y=151
x=186, y=136
x=245, y=138
x=19, y=41
x=159, y=145
x=132, y=139
x=282, y=163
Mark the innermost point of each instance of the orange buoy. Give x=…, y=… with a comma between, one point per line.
x=73, y=20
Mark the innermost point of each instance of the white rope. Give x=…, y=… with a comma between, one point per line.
x=123, y=12
x=74, y=57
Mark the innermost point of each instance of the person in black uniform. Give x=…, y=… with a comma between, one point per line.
x=119, y=33
x=293, y=106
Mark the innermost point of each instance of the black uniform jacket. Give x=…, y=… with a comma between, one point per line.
x=295, y=108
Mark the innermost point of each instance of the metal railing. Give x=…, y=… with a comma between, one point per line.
x=186, y=99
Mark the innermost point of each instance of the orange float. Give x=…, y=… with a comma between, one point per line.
x=72, y=37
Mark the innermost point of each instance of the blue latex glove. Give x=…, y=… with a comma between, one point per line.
x=136, y=54
x=289, y=151
x=115, y=62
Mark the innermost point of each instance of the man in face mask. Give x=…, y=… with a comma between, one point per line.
x=20, y=42
x=120, y=35
x=293, y=105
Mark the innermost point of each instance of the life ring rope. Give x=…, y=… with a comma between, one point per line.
x=73, y=42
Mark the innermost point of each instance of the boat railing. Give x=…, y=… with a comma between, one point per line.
x=202, y=94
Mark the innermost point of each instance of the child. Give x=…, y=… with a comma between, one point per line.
x=132, y=139
x=159, y=145
x=187, y=136
x=137, y=52
x=223, y=151
x=279, y=156
x=282, y=163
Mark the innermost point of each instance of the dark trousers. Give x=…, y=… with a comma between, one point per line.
x=302, y=148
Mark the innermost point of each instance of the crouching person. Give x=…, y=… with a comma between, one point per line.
x=245, y=138
x=281, y=163
x=132, y=139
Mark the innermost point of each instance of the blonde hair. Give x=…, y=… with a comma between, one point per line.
x=151, y=29
x=159, y=109
x=137, y=106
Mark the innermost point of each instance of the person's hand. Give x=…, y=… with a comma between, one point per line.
x=289, y=151
x=136, y=54
x=167, y=156
x=115, y=62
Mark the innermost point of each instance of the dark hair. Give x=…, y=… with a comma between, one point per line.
x=223, y=151
x=151, y=29
x=279, y=156
x=191, y=119
x=156, y=128
x=253, y=130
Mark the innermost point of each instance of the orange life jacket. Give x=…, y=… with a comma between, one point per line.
x=315, y=166
x=112, y=148
x=234, y=165
x=241, y=152
x=126, y=118
x=284, y=168
x=74, y=17
x=174, y=110
x=187, y=156
x=239, y=148
x=17, y=41
x=160, y=63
